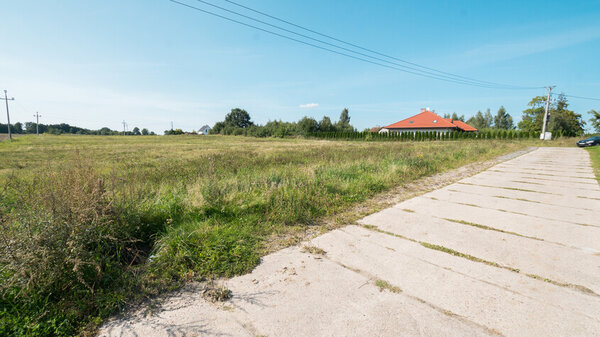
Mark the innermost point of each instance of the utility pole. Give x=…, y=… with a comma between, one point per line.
x=545, y=125
x=124, y=127
x=37, y=123
x=7, y=114
x=171, y=125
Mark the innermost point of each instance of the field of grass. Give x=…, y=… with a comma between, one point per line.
x=90, y=224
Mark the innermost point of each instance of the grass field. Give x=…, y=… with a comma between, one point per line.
x=90, y=223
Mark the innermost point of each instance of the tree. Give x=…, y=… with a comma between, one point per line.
x=18, y=127
x=238, y=118
x=307, y=125
x=217, y=128
x=595, y=120
x=565, y=121
x=454, y=116
x=325, y=125
x=136, y=131
x=344, y=123
x=174, y=132
x=533, y=117
x=503, y=120
x=145, y=132
x=105, y=131
x=488, y=119
x=344, y=117
x=562, y=120
x=480, y=121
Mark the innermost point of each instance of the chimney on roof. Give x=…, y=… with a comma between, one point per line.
x=423, y=109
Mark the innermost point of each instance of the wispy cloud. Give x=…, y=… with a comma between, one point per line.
x=309, y=105
x=512, y=49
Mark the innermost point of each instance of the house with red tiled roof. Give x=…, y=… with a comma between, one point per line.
x=426, y=121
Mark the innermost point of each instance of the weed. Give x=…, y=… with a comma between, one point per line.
x=526, y=182
x=465, y=204
x=384, y=285
x=214, y=293
x=313, y=250
x=491, y=228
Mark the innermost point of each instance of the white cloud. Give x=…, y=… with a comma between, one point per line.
x=309, y=105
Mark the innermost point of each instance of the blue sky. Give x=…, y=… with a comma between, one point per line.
x=97, y=63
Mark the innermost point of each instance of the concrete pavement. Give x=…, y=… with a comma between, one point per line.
x=511, y=251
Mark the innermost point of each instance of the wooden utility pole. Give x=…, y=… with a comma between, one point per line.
x=545, y=125
x=8, y=114
x=37, y=123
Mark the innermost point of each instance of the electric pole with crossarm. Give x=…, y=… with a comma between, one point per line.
x=37, y=123
x=545, y=123
x=7, y=113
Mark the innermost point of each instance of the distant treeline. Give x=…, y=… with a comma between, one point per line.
x=63, y=128
x=429, y=135
x=238, y=122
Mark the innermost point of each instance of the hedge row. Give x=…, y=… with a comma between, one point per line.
x=427, y=135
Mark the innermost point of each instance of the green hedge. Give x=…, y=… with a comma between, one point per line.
x=426, y=135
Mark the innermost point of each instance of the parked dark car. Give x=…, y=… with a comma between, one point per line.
x=589, y=141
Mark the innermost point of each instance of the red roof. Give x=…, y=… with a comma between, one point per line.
x=463, y=126
x=425, y=119
x=429, y=120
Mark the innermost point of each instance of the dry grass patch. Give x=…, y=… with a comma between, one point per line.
x=314, y=250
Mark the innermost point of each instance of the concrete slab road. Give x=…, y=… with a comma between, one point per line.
x=511, y=251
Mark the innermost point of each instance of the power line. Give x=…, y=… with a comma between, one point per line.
x=580, y=97
x=339, y=47
x=370, y=50
x=420, y=73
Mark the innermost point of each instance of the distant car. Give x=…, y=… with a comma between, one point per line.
x=589, y=141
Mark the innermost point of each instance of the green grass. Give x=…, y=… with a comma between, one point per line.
x=595, y=155
x=91, y=224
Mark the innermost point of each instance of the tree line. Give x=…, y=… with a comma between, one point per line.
x=238, y=122
x=562, y=121
x=63, y=128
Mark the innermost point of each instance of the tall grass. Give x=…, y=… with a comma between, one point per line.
x=91, y=223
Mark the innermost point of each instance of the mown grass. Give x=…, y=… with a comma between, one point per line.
x=91, y=224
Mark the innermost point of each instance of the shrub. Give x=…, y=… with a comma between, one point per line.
x=63, y=239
